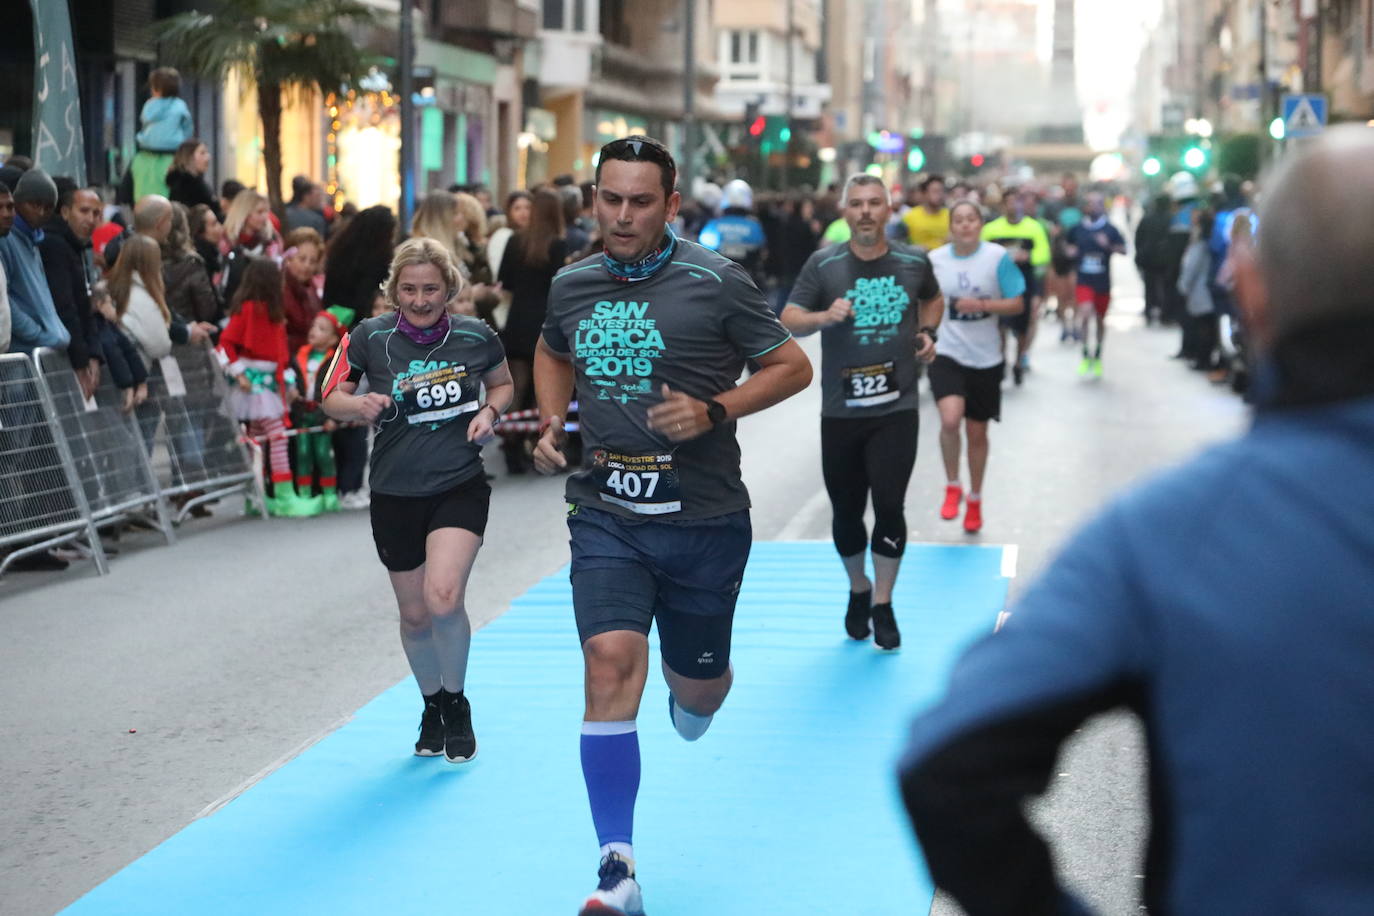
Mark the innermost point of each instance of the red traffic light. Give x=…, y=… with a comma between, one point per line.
x=977, y=160
x=756, y=129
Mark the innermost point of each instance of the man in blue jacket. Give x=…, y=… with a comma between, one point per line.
x=33, y=317
x=1251, y=666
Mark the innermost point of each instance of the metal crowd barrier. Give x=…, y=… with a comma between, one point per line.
x=42, y=501
x=71, y=465
x=199, y=455
x=107, y=451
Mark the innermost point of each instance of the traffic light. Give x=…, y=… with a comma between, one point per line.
x=1173, y=153
x=915, y=159
x=977, y=160
x=754, y=121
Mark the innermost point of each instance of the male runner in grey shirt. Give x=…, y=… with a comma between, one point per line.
x=877, y=306
x=652, y=335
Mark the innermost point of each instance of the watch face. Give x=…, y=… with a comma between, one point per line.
x=715, y=411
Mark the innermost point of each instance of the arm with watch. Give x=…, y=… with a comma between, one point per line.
x=782, y=373
x=500, y=391
x=931, y=311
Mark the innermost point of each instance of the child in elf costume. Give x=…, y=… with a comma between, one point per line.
x=315, y=450
x=252, y=349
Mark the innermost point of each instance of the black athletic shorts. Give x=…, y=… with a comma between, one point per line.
x=400, y=524
x=981, y=389
x=1020, y=322
x=626, y=573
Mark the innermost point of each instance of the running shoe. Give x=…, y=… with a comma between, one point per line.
x=856, y=618
x=973, y=517
x=1084, y=366
x=460, y=744
x=953, y=496
x=1018, y=374
x=885, y=632
x=431, y=743
x=617, y=893
x=1097, y=366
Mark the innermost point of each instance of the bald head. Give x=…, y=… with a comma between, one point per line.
x=1316, y=234
x=153, y=217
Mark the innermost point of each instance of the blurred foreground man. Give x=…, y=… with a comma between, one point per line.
x=1251, y=670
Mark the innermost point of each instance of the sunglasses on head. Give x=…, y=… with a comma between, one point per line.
x=639, y=149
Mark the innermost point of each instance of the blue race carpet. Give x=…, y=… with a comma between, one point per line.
x=786, y=806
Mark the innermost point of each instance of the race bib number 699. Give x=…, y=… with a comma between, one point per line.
x=436, y=396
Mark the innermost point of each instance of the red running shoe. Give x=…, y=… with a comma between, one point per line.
x=973, y=517
x=953, y=496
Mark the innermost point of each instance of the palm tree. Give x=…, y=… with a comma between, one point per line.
x=276, y=45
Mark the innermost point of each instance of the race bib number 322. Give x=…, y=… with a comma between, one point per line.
x=644, y=484
x=436, y=395
x=869, y=386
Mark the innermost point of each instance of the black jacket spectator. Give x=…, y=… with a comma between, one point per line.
x=189, y=293
x=183, y=187
x=65, y=267
x=120, y=355
x=209, y=257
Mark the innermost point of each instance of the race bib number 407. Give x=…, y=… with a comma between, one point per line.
x=436, y=395
x=644, y=484
x=869, y=386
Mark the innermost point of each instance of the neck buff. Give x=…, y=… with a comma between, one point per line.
x=424, y=337
x=648, y=266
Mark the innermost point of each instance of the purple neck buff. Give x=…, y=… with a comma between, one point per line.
x=424, y=337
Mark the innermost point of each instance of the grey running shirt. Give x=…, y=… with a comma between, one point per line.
x=421, y=447
x=868, y=363
x=690, y=326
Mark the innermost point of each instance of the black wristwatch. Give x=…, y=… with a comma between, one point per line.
x=929, y=332
x=715, y=412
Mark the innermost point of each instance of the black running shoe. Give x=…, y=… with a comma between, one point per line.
x=856, y=618
x=460, y=744
x=885, y=632
x=431, y=743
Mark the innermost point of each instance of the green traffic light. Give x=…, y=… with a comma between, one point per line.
x=785, y=134
x=1194, y=158
x=916, y=159
x=1152, y=166
x=1277, y=128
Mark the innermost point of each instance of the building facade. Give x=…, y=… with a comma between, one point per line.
x=614, y=67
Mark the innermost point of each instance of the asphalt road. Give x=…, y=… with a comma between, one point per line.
x=136, y=702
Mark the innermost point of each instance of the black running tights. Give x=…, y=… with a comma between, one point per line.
x=863, y=456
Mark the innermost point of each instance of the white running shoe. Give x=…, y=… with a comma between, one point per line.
x=358, y=499
x=617, y=894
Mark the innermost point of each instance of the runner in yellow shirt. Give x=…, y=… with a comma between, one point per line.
x=927, y=225
x=1021, y=234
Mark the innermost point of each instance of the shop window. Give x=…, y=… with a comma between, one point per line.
x=615, y=25
x=553, y=14
x=744, y=47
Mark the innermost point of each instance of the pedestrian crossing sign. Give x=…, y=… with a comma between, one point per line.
x=1303, y=115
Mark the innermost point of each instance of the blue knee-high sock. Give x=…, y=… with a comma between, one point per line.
x=610, y=765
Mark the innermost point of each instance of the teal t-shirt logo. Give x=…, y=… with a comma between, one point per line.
x=618, y=347
x=879, y=304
